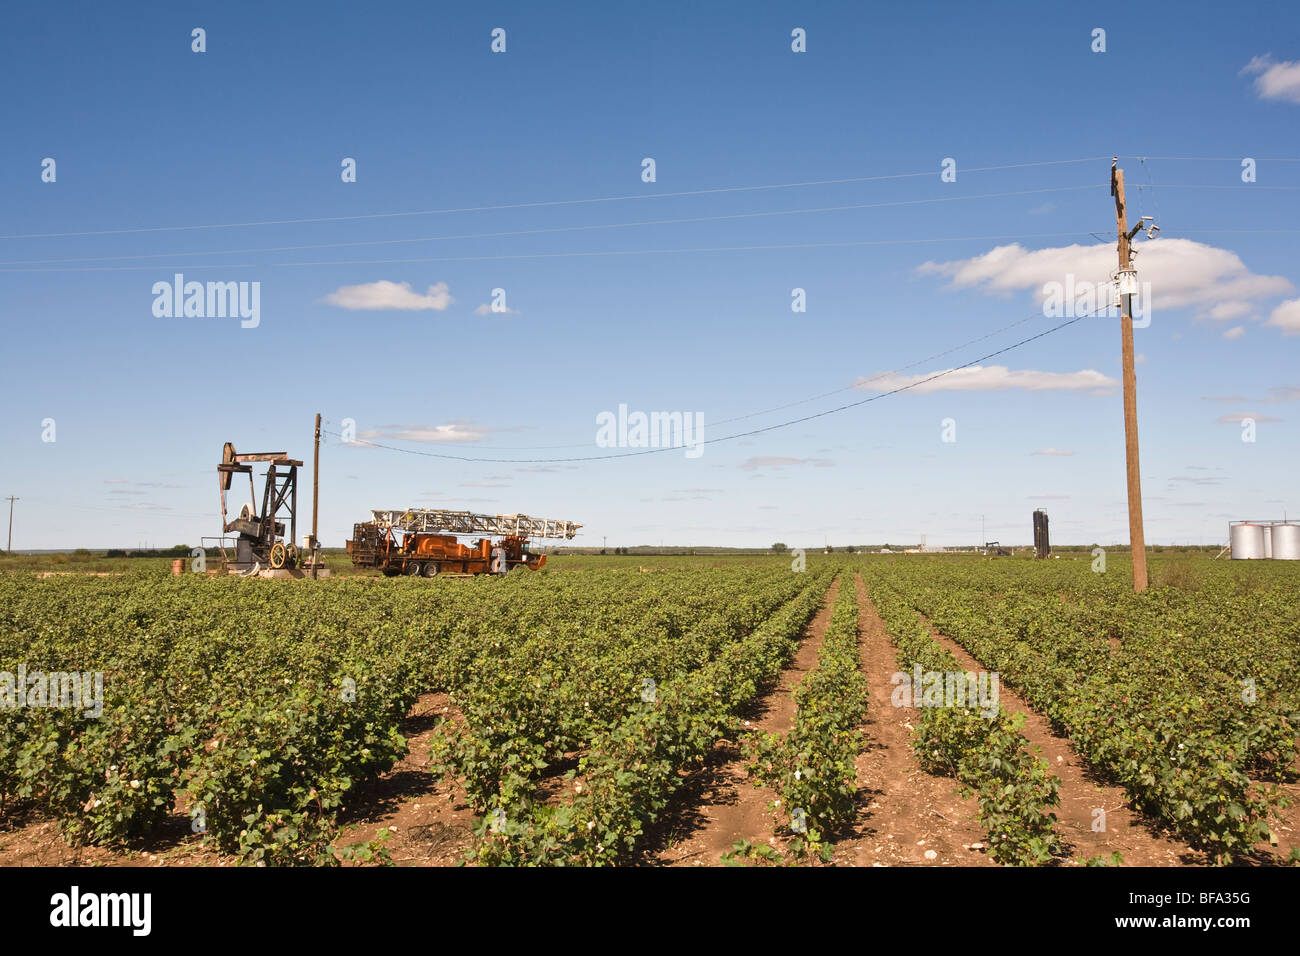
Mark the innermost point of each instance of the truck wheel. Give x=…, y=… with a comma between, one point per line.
x=431, y=569
x=412, y=569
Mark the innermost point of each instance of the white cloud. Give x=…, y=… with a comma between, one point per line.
x=1283, y=393
x=770, y=461
x=383, y=295
x=991, y=378
x=1139, y=359
x=486, y=309
x=1226, y=311
x=1286, y=317
x=1183, y=273
x=1274, y=80
x=452, y=432
x=1236, y=332
x=1053, y=451
x=1242, y=416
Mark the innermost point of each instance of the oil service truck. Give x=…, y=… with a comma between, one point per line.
x=423, y=542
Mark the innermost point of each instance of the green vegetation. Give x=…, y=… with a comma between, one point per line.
x=632, y=767
x=1187, y=696
x=260, y=706
x=583, y=695
x=812, y=767
x=986, y=752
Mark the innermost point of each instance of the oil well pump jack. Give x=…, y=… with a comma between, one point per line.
x=416, y=541
x=260, y=541
x=421, y=541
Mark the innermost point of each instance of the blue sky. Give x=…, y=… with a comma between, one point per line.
x=609, y=307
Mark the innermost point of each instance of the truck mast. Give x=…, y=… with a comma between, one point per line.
x=422, y=542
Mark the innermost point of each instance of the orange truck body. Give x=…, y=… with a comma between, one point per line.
x=431, y=554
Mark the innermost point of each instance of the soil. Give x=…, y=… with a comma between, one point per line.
x=718, y=804
x=1287, y=829
x=429, y=822
x=38, y=842
x=1139, y=841
x=906, y=812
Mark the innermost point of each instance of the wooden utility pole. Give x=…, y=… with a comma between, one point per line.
x=315, y=499
x=1137, y=540
x=10, y=546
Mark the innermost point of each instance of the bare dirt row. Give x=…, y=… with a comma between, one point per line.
x=718, y=805
x=907, y=816
x=1086, y=832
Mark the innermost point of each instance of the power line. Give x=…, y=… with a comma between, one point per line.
x=1182, y=230
x=638, y=252
x=558, y=255
x=601, y=199
x=857, y=383
x=545, y=203
x=556, y=229
x=732, y=437
x=120, y=509
x=1216, y=159
x=1155, y=198
x=641, y=252
x=1245, y=187
x=597, y=226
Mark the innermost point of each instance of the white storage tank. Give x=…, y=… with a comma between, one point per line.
x=1268, y=541
x=1247, y=541
x=1286, y=542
